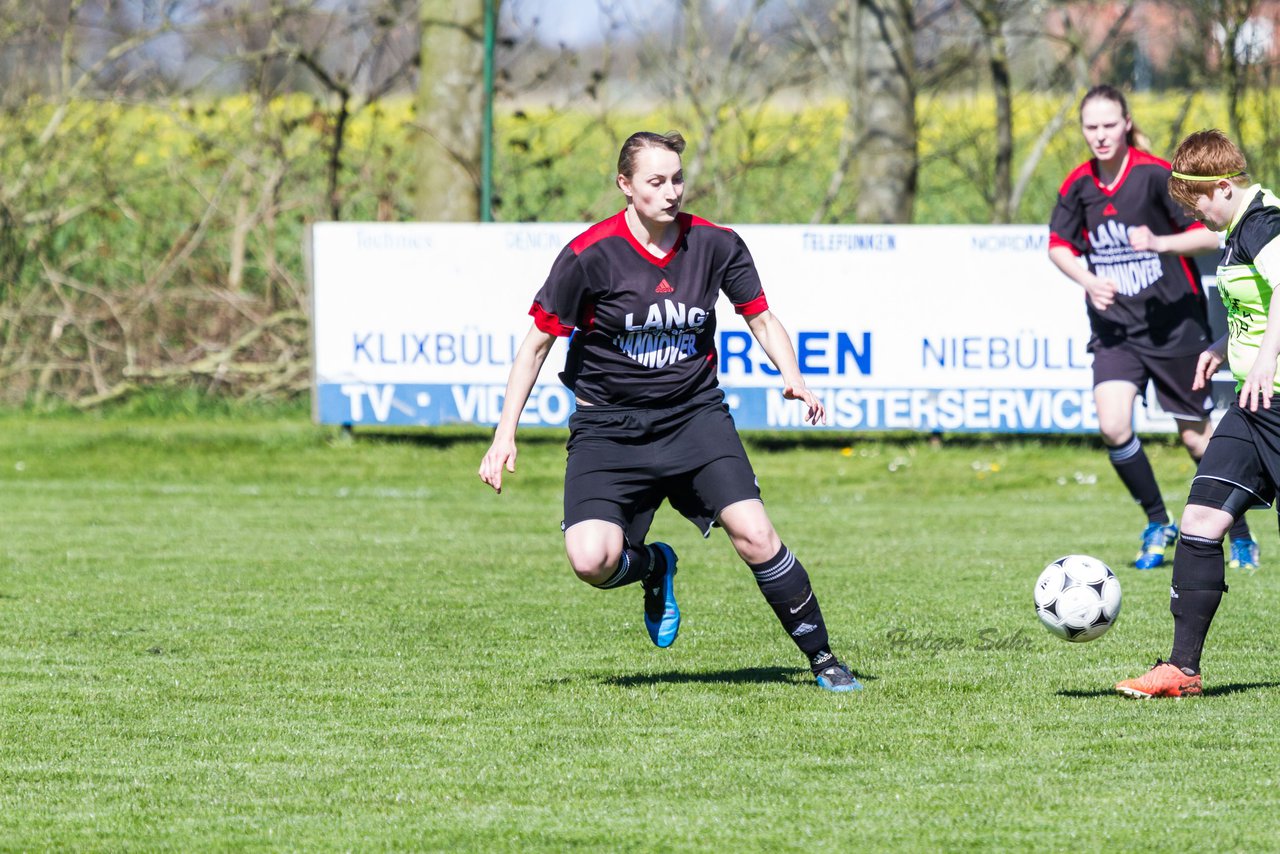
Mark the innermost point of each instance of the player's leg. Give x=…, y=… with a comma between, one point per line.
x=661, y=613
x=1173, y=377
x=609, y=503
x=1119, y=376
x=1194, y=435
x=1198, y=574
x=1232, y=477
x=598, y=556
x=783, y=581
x=603, y=555
x=718, y=486
x=598, y=504
x=1244, y=552
x=1114, y=400
x=1194, y=594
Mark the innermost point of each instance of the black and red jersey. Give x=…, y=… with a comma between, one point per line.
x=1159, y=302
x=643, y=327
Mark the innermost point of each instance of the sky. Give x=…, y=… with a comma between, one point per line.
x=583, y=22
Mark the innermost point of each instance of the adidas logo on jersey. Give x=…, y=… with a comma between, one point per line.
x=664, y=287
x=1110, y=210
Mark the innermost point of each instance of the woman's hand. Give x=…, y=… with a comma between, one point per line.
x=1206, y=366
x=817, y=412
x=1142, y=239
x=1259, y=384
x=524, y=372
x=502, y=453
x=1102, y=292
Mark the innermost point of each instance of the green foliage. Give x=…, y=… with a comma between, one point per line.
x=558, y=166
x=231, y=635
x=141, y=241
x=141, y=177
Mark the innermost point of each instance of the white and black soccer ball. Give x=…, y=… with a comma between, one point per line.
x=1077, y=598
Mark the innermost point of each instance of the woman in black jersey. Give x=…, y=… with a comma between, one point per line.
x=637, y=294
x=1147, y=311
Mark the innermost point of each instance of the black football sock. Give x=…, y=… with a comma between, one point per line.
x=655, y=604
x=1192, y=611
x=821, y=660
x=1134, y=469
x=633, y=566
x=785, y=585
x=1194, y=596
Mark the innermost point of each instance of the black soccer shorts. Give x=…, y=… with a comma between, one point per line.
x=1172, y=376
x=623, y=462
x=1244, y=452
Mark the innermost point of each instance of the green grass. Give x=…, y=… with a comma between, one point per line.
x=258, y=634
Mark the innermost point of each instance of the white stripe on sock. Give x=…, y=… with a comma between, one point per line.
x=777, y=570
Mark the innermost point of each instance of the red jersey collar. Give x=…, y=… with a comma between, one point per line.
x=683, y=219
x=1129, y=160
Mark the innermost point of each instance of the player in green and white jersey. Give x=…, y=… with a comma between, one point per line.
x=1241, y=466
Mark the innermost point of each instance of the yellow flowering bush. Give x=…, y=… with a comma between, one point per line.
x=135, y=236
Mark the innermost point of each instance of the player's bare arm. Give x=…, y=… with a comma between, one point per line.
x=773, y=337
x=524, y=373
x=1195, y=241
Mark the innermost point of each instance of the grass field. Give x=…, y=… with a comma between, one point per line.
x=259, y=634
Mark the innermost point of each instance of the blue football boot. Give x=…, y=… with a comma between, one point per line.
x=1156, y=539
x=838, y=678
x=661, y=613
x=1244, y=554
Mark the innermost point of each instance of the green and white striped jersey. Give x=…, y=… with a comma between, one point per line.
x=1248, y=275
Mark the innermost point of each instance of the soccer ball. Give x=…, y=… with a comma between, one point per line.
x=1077, y=598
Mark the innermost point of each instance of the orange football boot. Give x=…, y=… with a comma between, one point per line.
x=1162, y=680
